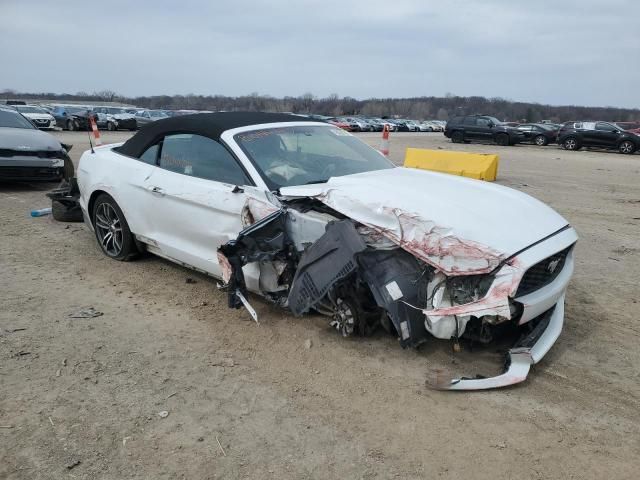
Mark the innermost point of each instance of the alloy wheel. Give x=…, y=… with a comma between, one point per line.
x=109, y=229
x=626, y=147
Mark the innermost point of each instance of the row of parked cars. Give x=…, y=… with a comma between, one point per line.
x=574, y=135
x=76, y=117
x=375, y=124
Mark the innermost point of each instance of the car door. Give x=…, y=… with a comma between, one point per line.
x=528, y=132
x=483, y=129
x=199, y=191
x=606, y=135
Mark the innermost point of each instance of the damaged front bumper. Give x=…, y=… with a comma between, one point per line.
x=527, y=351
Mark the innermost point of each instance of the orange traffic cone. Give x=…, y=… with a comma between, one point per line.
x=96, y=132
x=384, y=146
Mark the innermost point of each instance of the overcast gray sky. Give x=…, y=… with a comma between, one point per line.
x=584, y=52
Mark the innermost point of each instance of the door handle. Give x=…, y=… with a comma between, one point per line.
x=156, y=190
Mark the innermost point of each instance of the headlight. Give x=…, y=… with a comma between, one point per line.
x=467, y=289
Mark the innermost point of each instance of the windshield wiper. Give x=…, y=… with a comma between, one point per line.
x=311, y=182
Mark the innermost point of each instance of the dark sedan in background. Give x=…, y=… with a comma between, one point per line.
x=28, y=154
x=538, y=134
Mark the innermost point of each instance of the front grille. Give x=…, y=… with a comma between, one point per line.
x=543, y=273
x=30, y=172
x=8, y=153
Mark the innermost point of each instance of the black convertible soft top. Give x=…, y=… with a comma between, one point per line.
x=210, y=125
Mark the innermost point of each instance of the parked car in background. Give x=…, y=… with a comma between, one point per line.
x=71, y=117
x=115, y=118
x=339, y=123
x=538, y=134
x=27, y=154
x=575, y=135
x=406, y=125
x=388, y=123
x=144, y=117
x=358, y=124
x=633, y=127
x=481, y=128
x=38, y=116
x=432, y=126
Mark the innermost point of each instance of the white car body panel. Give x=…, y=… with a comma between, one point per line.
x=458, y=226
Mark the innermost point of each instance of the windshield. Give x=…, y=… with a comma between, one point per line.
x=14, y=120
x=28, y=109
x=158, y=114
x=311, y=154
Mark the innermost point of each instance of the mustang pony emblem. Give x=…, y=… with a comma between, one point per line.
x=552, y=265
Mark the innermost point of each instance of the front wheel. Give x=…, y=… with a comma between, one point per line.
x=111, y=126
x=71, y=125
x=112, y=230
x=457, y=137
x=627, y=147
x=502, y=139
x=570, y=144
x=540, y=140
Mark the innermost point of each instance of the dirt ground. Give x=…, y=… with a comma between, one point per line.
x=80, y=398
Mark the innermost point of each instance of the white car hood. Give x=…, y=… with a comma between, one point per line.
x=458, y=225
x=38, y=116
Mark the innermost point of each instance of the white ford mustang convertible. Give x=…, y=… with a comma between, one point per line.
x=309, y=217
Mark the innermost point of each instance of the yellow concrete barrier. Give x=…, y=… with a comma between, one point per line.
x=480, y=166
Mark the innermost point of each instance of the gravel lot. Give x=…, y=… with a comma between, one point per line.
x=80, y=398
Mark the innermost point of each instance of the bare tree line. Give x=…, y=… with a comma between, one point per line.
x=440, y=108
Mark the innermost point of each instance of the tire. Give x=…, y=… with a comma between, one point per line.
x=64, y=213
x=571, y=143
x=540, y=140
x=502, y=139
x=111, y=127
x=71, y=125
x=457, y=137
x=627, y=147
x=110, y=225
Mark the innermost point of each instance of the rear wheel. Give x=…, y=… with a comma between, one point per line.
x=457, y=137
x=112, y=230
x=540, y=140
x=570, y=143
x=71, y=125
x=111, y=126
x=502, y=139
x=627, y=147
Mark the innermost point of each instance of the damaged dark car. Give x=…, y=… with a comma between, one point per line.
x=312, y=219
x=29, y=154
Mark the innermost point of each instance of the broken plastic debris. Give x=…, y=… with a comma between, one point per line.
x=248, y=306
x=520, y=361
x=163, y=414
